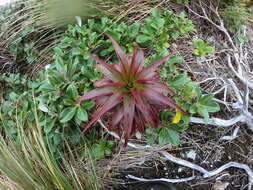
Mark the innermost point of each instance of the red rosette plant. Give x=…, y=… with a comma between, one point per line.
x=130, y=92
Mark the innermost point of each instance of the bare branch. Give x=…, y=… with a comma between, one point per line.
x=185, y=163
x=218, y=122
x=233, y=136
x=162, y=179
x=213, y=172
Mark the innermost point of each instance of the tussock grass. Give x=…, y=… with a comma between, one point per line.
x=28, y=164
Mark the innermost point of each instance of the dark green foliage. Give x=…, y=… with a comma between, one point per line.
x=72, y=74
x=101, y=149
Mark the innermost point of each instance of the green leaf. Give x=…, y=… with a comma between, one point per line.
x=180, y=80
x=107, y=151
x=134, y=28
x=156, y=13
x=202, y=110
x=206, y=99
x=175, y=59
x=168, y=135
x=67, y=114
x=150, y=141
x=212, y=107
x=82, y=114
x=55, y=78
x=110, y=144
x=96, y=151
x=58, y=51
x=47, y=88
x=13, y=96
x=77, y=52
x=49, y=126
x=143, y=39
x=68, y=101
x=71, y=68
x=201, y=47
x=72, y=91
x=242, y=38
x=165, y=115
x=87, y=105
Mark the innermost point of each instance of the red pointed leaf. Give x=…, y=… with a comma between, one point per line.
x=129, y=110
x=160, y=87
x=138, y=99
x=121, y=55
x=107, y=69
x=140, y=123
x=138, y=63
x=148, y=71
x=111, y=102
x=146, y=114
x=116, y=117
x=133, y=60
x=115, y=84
x=146, y=80
x=101, y=82
x=161, y=99
x=96, y=93
x=129, y=59
x=101, y=100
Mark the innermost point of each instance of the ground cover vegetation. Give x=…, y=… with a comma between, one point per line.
x=59, y=79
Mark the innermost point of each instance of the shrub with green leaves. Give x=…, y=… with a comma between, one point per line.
x=101, y=149
x=72, y=74
x=202, y=48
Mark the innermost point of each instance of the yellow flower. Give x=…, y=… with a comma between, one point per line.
x=177, y=117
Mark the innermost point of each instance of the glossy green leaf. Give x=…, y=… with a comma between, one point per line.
x=82, y=114
x=72, y=91
x=143, y=39
x=168, y=135
x=67, y=114
x=202, y=110
x=87, y=105
x=47, y=88
x=49, y=126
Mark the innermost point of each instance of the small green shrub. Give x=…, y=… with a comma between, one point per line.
x=202, y=48
x=101, y=149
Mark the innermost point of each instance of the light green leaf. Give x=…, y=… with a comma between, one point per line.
x=202, y=110
x=82, y=114
x=212, y=107
x=72, y=91
x=175, y=59
x=67, y=114
x=87, y=105
x=143, y=39
x=206, y=99
x=47, y=88
x=49, y=126
x=167, y=135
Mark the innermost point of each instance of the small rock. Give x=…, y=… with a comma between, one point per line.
x=220, y=185
x=191, y=154
x=138, y=135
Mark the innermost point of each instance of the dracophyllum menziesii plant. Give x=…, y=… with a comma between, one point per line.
x=131, y=93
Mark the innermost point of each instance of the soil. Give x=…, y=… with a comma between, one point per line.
x=211, y=153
